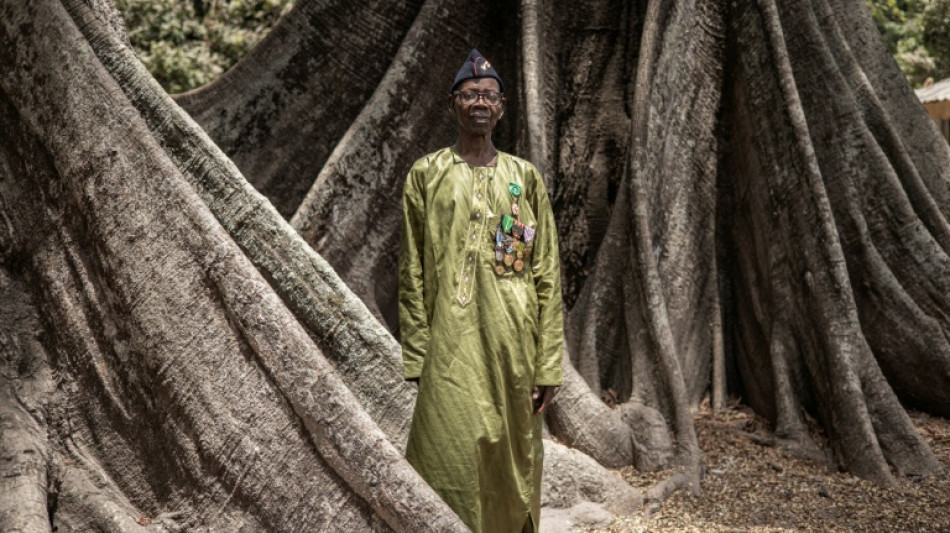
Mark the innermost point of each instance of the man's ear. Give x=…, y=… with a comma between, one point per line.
x=450, y=104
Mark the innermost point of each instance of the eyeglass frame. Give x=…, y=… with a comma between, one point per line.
x=483, y=95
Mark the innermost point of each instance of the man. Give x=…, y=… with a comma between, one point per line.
x=480, y=315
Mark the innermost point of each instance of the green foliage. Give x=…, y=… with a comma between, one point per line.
x=890, y=20
x=917, y=32
x=186, y=44
x=935, y=34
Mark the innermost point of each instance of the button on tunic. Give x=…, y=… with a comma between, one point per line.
x=478, y=341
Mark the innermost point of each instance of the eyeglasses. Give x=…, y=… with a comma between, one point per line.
x=470, y=97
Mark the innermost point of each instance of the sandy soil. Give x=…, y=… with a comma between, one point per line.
x=752, y=486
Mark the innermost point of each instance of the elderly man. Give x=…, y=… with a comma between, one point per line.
x=480, y=315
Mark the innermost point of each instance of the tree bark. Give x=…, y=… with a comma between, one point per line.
x=192, y=383
x=175, y=354
x=658, y=119
x=169, y=252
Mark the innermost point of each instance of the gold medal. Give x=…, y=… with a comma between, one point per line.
x=509, y=259
x=519, y=266
x=499, y=269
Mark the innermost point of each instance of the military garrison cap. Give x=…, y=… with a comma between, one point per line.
x=476, y=66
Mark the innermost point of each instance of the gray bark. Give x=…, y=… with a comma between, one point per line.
x=175, y=353
x=778, y=143
x=187, y=381
x=218, y=369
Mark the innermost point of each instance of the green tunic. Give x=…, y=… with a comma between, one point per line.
x=478, y=340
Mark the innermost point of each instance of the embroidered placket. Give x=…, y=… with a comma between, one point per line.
x=473, y=238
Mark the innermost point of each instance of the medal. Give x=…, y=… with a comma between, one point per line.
x=517, y=230
x=514, y=208
x=514, y=189
x=528, y=234
x=507, y=221
x=509, y=259
x=519, y=265
x=499, y=269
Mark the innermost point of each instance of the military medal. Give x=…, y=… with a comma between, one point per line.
x=512, y=237
x=528, y=234
x=507, y=221
x=517, y=230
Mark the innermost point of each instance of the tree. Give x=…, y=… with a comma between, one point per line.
x=916, y=33
x=168, y=355
x=187, y=44
x=744, y=189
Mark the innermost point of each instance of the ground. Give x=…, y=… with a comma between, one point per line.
x=750, y=485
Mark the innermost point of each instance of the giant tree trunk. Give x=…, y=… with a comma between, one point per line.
x=176, y=353
x=173, y=349
x=751, y=175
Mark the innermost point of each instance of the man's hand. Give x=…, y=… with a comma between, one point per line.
x=542, y=396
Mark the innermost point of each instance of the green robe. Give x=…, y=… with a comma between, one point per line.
x=478, y=341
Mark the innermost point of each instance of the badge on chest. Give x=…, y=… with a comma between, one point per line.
x=513, y=238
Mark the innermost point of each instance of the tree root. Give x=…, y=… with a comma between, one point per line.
x=89, y=501
x=24, y=455
x=277, y=114
x=571, y=477
x=657, y=494
x=25, y=386
x=106, y=279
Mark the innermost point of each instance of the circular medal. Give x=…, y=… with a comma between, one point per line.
x=509, y=259
x=519, y=266
x=499, y=269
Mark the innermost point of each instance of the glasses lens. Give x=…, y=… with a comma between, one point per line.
x=470, y=97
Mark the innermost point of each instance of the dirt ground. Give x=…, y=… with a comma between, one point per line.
x=752, y=486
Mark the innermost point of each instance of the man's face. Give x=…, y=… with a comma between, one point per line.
x=478, y=117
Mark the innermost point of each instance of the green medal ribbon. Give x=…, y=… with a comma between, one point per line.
x=514, y=189
x=507, y=221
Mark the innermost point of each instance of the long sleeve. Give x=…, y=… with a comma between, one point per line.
x=413, y=319
x=545, y=263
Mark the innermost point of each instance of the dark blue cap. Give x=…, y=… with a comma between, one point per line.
x=476, y=66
